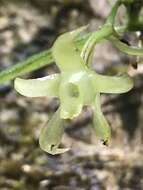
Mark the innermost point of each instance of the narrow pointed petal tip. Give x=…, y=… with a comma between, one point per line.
x=76, y=32
x=24, y=87
x=17, y=84
x=51, y=143
x=53, y=150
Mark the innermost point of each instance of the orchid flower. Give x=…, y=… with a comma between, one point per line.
x=76, y=85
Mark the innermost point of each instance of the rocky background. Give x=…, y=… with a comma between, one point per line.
x=28, y=27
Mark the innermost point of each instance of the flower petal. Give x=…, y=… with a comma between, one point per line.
x=65, y=53
x=46, y=86
x=100, y=124
x=51, y=135
x=112, y=84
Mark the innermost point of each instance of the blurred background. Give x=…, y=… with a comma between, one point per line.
x=28, y=27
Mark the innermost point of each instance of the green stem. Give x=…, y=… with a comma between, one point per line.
x=95, y=37
x=112, y=15
x=127, y=49
x=35, y=62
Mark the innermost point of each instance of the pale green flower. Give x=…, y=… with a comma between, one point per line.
x=76, y=86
